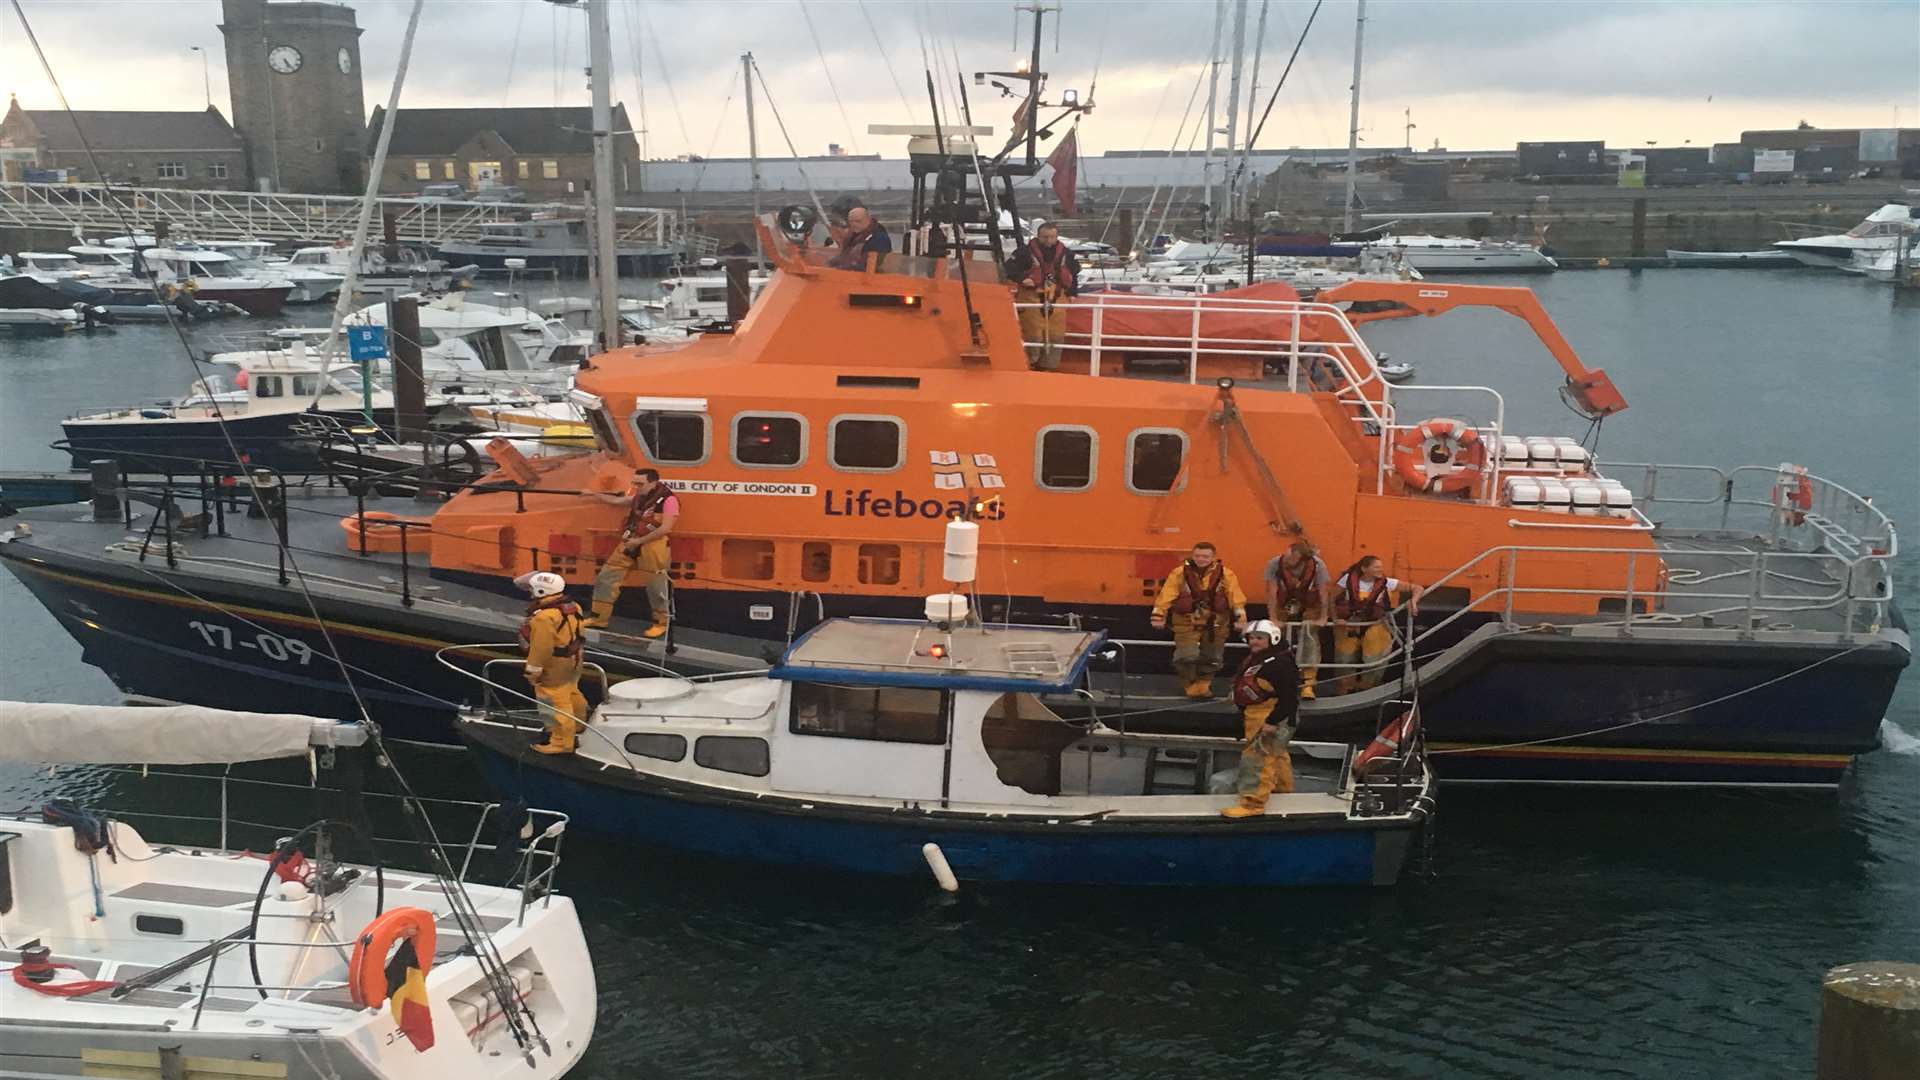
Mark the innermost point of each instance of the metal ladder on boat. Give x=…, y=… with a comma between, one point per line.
x=1174, y=770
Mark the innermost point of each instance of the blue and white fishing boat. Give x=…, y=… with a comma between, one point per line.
x=881, y=746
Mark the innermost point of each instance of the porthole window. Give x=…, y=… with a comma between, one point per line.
x=654, y=745
x=769, y=440
x=1154, y=459
x=1064, y=458
x=866, y=443
x=672, y=438
x=732, y=753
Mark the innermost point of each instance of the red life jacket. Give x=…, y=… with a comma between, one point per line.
x=1298, y=594
x=570, y=617
x=645, y=510
x=1202, y=593
x=1268, y=665
x=1048, y=268
x=1351, y=606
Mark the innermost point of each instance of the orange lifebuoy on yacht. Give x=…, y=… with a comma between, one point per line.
x=1387, y=743
x=1793, y=493
x=1441, y=455
x=367, y=969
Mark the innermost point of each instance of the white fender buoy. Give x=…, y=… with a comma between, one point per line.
x=937, y=862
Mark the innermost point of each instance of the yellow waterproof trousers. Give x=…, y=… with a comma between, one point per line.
x=1044, y=330
x=563, y=709
x=1199, y=644
x=1266, y=766
x=651, y=562
x=1362, y=645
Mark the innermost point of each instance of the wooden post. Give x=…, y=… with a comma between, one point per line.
x=1870, y=1022
x=390, y=236
x=1639, y=227
x=1124, y=224
x=739, y=289
x=409, y=381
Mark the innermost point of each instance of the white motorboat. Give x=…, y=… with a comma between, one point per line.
x=409, y=272
x=208, y=275
x=1879, y=231
x=52, y=266
x=508, y=338
x=1885, y=266
x=139, y=958
x=102, y=260
x=311, y=284
x=1459, y=254
x=699, y=298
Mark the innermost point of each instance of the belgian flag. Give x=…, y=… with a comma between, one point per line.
x=407, y=996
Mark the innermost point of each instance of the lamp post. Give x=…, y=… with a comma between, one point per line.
x=206, y=80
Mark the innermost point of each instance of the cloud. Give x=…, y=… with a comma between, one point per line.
x=1473, y=73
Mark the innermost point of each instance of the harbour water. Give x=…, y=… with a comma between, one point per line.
x=1617, y=933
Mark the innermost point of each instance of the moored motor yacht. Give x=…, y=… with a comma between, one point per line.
x=205, y=275
x=1880, y=231
x=1457, y=254
x=311, y=284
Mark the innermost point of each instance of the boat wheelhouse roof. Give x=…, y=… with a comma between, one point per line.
x=907, y=652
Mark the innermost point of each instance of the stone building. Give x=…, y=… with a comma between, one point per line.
x=161, y=149
x=545, y=152
x=294, y=71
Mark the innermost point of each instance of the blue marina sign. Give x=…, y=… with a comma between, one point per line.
x=367, y=342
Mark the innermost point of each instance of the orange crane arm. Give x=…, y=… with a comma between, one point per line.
x=1589, y=388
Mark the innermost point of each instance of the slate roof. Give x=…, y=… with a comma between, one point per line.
x=123, y=130
x=539, y=130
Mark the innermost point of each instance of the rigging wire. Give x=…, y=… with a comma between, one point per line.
x=666, y=76
x=513, y=54
x=1277, y=87
x=881, y=47
x=466, y=915
x=1173, y=149
x=853, y=138
x=719, y=125
x=782, y=124
x=639, y=74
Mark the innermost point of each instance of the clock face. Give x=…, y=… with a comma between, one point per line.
x=345, y=60
x=284, y=59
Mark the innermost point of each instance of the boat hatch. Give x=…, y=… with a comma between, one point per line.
x=899, y=652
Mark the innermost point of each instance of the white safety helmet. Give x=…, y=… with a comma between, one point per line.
x=543, y=585
x=1263, y=626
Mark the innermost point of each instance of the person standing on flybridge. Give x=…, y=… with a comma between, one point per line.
x=1045, y=274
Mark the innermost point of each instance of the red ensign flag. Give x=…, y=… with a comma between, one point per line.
x=1065, y=160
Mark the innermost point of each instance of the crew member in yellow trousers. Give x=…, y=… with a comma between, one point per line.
x=1362, y=599
x=1202, y=601
x=652, y=511
x=1045, y=274
x=553, y=636
x=1299, y=598
x=1267, y=691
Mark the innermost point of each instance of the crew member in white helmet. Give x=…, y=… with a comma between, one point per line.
x=553, y=634
x=1267, y=692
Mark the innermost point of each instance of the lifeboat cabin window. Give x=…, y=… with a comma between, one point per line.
x=605, y=432
x=266, y=386
x=769, y=440
x=1064, y=458
x=654, y=745
x=816, y=561
x=866, y=443
x=732, y=753
x=887, y=713
x=673, y=438
x=746, y=560
x=1154, y=459
x=879, y=564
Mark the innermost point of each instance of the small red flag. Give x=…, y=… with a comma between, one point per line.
x=407, y=996
x=1065, y=160
x=1020, y=118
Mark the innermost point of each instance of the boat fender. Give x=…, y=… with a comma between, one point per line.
x=1441, y=456
x=937, y=862
x=367, y=968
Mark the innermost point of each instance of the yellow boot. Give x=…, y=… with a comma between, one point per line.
x=1200, y=689
x=560, y=740
x=655, y=632
x=1242, y=810
x=601, y=615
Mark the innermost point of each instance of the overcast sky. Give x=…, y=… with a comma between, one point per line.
x=1479, y=74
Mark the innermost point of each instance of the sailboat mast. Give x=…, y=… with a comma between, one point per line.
x=600, y=59
x=1253, y=98
x=753, y=155
x=1213, y=88
x=1349, y=219
x=1233, y=105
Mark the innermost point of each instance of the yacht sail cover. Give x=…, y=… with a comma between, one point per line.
x=60, y=734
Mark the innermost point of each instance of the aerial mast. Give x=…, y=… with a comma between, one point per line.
x=753, y=155
x=1213, y=93
x=1349, y=218
x=600, y=59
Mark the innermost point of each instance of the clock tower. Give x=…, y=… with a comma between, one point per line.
x=294, y=71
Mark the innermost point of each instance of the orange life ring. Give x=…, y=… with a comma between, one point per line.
x=1441, y=455
x=367, y=969
x=1388, y=742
